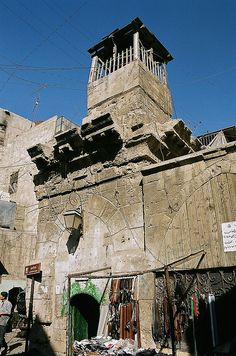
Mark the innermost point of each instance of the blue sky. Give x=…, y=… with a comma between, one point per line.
x=44, y=58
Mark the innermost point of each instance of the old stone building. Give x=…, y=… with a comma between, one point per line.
x=150, y=199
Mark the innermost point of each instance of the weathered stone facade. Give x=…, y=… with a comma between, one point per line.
x=149, y=196
x=16, y=185
x=186, y=201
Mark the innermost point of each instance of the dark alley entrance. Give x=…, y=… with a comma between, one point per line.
x=85, y=311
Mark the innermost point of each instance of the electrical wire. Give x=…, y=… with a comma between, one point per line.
x=45, y=39
x=18, y=165
x=60, y=11
x=55, y=31
x=57, y=85
x=23, y=67
x=16, y=67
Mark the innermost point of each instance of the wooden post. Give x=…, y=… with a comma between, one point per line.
x=138, y=324
x=169, y=298
x=211, y=303
x=194, y=338
x=164, y=74
x=93, y=69
x=114, y=57
x=136, y=45
x=121, y=322
x=68, y=329
x=30, y=314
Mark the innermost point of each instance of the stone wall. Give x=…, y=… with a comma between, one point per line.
x=19, y=243
x=112, y=238
x=136, y=219
x=132, y=224
x=186, y=201
x=132, y=95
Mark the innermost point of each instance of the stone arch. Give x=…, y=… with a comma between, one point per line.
x=104, y=209
x=197, y=212
x=117, y=219
x=87, y=287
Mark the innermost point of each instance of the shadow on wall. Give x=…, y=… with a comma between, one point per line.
x=73, y=241
x=39, y=343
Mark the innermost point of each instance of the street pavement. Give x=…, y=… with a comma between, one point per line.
x=15, y=342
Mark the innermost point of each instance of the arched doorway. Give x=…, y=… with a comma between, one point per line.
x=85, y=311
x=13, y=297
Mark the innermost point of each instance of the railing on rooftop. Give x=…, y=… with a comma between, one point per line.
x=63, y=124
x=156, y=68
x=207, y=138
x=102, y=69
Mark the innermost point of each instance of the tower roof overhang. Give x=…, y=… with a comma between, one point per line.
x=124, y=36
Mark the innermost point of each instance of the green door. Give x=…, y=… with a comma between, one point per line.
x=85, y=311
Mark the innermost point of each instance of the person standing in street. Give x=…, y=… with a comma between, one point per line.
x=5, y=313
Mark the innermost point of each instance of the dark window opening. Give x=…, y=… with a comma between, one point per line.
x=13, y=183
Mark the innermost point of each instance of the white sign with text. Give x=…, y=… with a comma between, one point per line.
x=229, y=236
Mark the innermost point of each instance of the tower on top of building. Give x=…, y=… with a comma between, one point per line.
x=125, y=45
x=129, y=120
x=128, y=93
x=128, y=69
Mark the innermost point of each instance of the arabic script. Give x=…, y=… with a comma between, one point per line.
x=229, y=236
